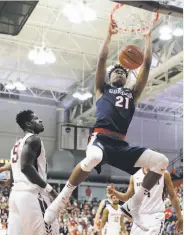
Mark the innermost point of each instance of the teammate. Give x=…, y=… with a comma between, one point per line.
x=103, y=204
x=113, y=219
x=153, y=206
x=115, y=108
x=30, y=193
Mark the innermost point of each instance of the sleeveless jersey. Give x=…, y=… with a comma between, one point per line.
x=21, y=182
x=153, y=201
x=107, y=202
x=115, y=109
x=113, y=225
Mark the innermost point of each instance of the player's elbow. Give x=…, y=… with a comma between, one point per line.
x=25, y=168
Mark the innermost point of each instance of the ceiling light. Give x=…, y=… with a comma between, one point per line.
x=50, y=57
x=33, y=54
x=89, y=14
x=81, y=94
x=165, y=36
x=166, y=29
x=77, y=13
x=10, y=86
x=41, y=57
x=76, y=94
x=72, y=13
x=20, y=86
x=178, y=32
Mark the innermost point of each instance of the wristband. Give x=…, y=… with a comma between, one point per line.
x=48, y=188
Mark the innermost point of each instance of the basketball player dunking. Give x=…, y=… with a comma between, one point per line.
x=30, y=193
x=115, y=109
x=153, y=206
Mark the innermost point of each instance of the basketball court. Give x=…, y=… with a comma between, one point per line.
x=49, y=67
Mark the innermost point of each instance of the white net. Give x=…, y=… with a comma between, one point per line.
x=133, y=20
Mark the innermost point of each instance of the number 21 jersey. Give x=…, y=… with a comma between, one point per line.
x=115, y=109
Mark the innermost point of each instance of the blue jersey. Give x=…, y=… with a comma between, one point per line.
x=115, y=109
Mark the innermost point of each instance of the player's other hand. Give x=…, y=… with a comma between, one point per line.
x=110, y=189
x=113, y=28
x=53, y=194
x=179, y=225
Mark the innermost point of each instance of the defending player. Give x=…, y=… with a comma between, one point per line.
x=112, y=219
x=115, y=108
x=29, y=197
x=153, y=207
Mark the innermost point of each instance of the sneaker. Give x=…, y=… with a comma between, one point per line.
x=53, y=210
x=133, y=213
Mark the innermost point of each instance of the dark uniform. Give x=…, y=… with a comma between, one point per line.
x=115, y=110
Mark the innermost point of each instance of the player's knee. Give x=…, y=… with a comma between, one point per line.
x=93, y=157
x=159, y=163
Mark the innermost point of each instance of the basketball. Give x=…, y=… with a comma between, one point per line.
x=131, y=57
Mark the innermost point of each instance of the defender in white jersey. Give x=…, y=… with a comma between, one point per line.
x=30, y=193
x=112, y=219
x=152, y=207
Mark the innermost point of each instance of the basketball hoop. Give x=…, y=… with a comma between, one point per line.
x=132, y=20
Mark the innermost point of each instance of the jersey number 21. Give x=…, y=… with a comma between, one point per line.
x=122, y=102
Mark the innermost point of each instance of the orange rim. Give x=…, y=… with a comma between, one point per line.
x=157, y=15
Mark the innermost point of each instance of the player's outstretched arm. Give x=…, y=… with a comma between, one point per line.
x=142, y=77
x=174, y=200
x=101, y=64
x=123, y=196
x=29, y=156
x=6, y=167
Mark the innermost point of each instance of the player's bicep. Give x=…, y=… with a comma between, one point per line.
x=30, y=151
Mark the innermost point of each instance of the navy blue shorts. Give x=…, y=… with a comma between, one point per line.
x=117, y=153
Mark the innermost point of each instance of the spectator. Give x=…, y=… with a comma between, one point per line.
x=88, y=193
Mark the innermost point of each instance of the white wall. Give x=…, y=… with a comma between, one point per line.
x=10, y=131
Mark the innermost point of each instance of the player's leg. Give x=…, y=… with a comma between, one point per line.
x=155, y=222
x=30, y=213
x=80, y=173
x=14, y=225
x=156, y=162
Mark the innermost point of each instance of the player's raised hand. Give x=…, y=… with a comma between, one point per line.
x=110, y=189
x=113, y=28
x=179, y=225
x=147, y=33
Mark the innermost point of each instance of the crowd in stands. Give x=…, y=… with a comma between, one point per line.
x=78, y=217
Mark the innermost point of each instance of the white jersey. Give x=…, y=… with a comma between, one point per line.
x=113, y=225
x=153, y=201
x=21, y=182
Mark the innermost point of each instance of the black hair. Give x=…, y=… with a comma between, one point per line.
x=23, y=117
x=118, y=66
